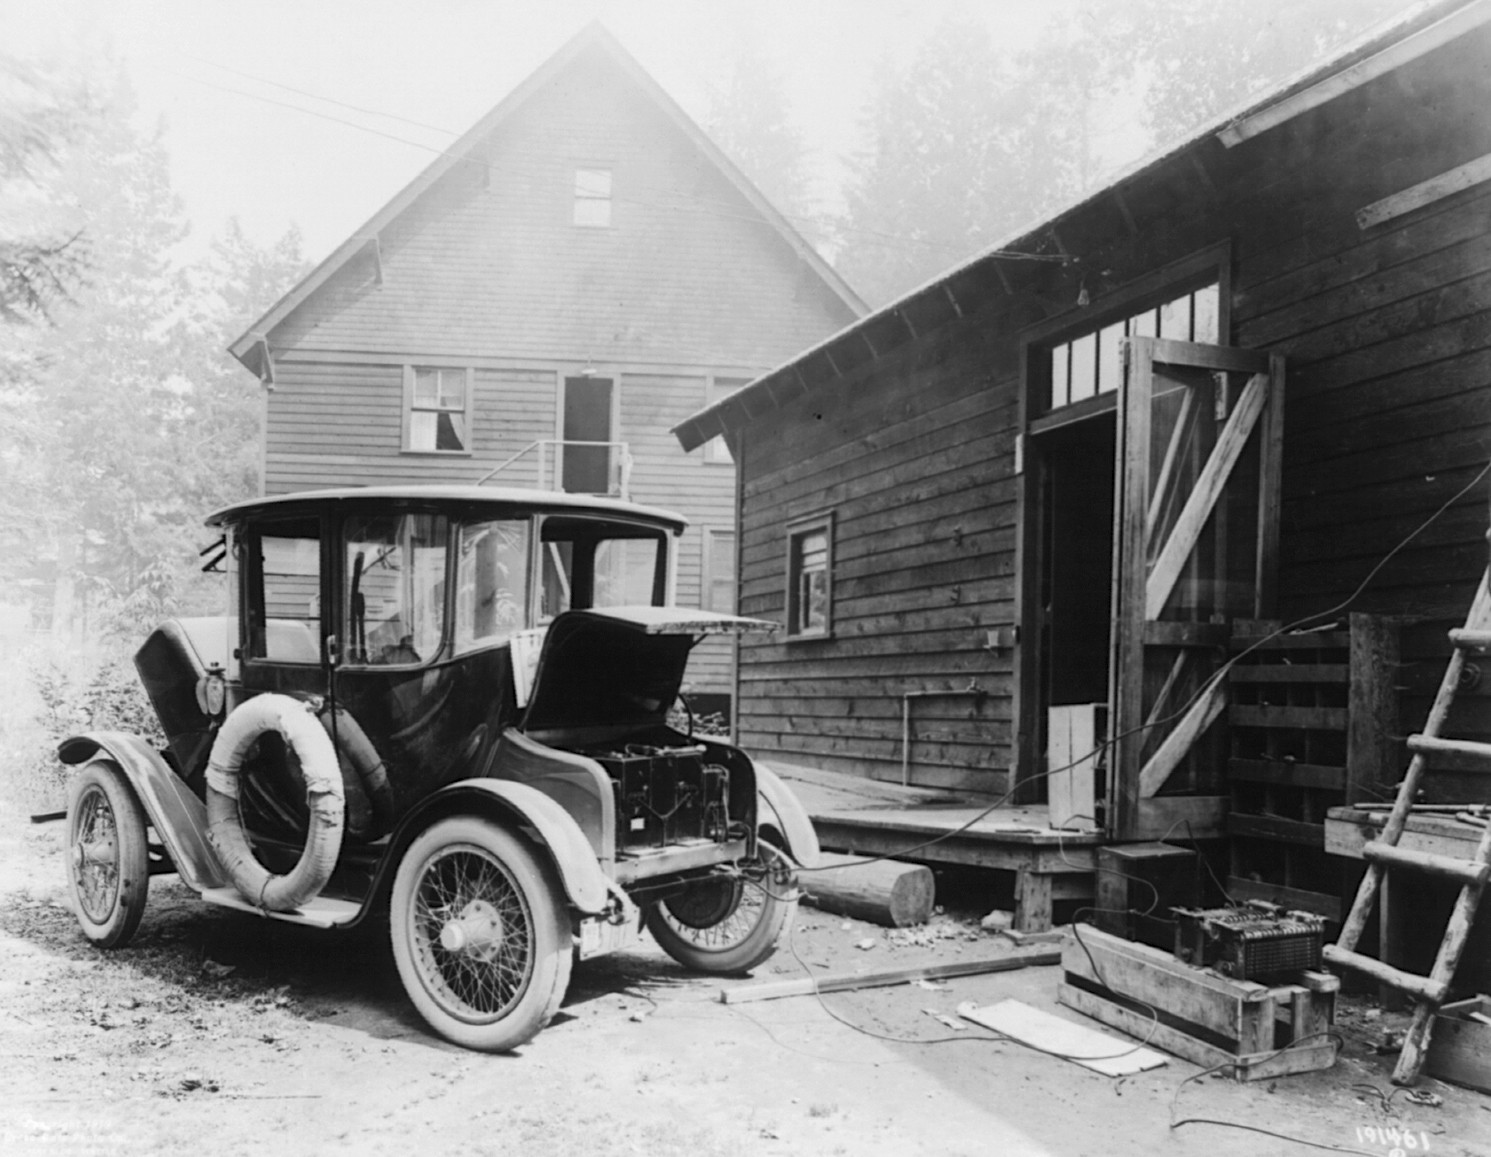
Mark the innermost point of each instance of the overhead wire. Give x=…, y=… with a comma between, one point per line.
x=693, y=203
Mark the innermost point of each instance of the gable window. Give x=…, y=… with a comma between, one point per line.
x=437, y=410
x=809, y=578
x=717, y=449
x=593, y=198
x=1092, y=363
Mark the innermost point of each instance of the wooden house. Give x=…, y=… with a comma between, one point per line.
x=1046, y=496
x=579, y=271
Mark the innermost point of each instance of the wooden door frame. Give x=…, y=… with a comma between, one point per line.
x=1134, y=812
x=1214, y=262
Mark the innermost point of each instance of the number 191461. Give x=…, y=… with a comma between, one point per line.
x=1398, y=1140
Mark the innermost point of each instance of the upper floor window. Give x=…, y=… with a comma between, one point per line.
x=437, y=409
x=1092, y=363
x=717, y=449
x=593, y=198
x=809, y=578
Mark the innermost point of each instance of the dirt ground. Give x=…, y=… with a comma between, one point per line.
x=219, y=1033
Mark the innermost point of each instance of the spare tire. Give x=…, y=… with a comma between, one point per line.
x=295, y=722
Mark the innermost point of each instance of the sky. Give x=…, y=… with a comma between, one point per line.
x=222, y=76
x=317, y=112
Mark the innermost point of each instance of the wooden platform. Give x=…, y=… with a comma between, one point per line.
x=870, y=817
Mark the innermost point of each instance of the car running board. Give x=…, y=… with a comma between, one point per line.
x=322, y=912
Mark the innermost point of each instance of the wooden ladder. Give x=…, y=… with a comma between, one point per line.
x=1383, y=855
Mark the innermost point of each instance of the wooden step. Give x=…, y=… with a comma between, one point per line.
x=1471, y=640
x=1448, y=867
x=1452, y=754
x=1420, y=987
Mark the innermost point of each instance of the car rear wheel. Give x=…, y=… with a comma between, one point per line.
x=480, y=936
x=728, y=925
x=107, y=858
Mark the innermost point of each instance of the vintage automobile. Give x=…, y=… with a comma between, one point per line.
x=449, y=706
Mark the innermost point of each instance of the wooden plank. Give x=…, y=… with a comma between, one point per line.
x=1166, y=633
x=1130, y=507
x=1290, y=673
x=1140, y=972
x=1203, y=498
x=1436, y=188
x=1270, y=492
x=1461, y=1048
x=1293, y=640
x=1320, y=903
x=1287, y=772
x=1167, y=351
x=1191, y=817
x=1315, y=718
x=1175, y=746
x=848, y=981
x=1380, y=63
x=1276, y=829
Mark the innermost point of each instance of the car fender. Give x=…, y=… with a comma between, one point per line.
x=585, y=884
x=791, y=817
x=178, y=816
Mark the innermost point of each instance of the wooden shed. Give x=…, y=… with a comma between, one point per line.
x=1048, y=495
x=577, y=272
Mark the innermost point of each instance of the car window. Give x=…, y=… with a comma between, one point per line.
x=491, y=582
x=285, y=604
x=586, y=564
x=394, y=587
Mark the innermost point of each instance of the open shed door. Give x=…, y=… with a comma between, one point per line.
x=1195, y=543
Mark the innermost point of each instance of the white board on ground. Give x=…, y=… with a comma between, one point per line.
x=1074, y=1042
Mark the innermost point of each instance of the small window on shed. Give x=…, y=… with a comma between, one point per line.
x=437, y=410
x=810, y=578
x=593, y=198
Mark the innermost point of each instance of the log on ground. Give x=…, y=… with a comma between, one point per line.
x=881, y=891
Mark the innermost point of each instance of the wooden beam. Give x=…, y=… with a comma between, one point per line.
x=1339, y=83
x=952, y=299
x=1446, y=184
x=1201, y=715
x=848, y=981
x=1125, y=211
x=1203, y=499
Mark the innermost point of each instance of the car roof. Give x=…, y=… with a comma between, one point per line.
x=535, y=501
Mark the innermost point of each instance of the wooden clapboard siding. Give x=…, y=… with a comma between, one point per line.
x=489, y=259
x=922, y=557
x=904, y=426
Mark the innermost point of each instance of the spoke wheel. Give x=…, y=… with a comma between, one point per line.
x=727, y=925
x=108, y=867
x=480, y=936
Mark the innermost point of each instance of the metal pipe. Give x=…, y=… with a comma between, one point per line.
x=972, y=689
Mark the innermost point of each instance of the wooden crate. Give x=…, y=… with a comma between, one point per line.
x=1460, y=1046
x=1196, y=1013
x=1138, y=884
x=1311, y=726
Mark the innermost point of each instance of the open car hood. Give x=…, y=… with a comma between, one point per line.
x=621, y=666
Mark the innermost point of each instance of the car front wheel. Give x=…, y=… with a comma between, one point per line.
x=728, y=924
x=480, y=937
x=108, y=866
